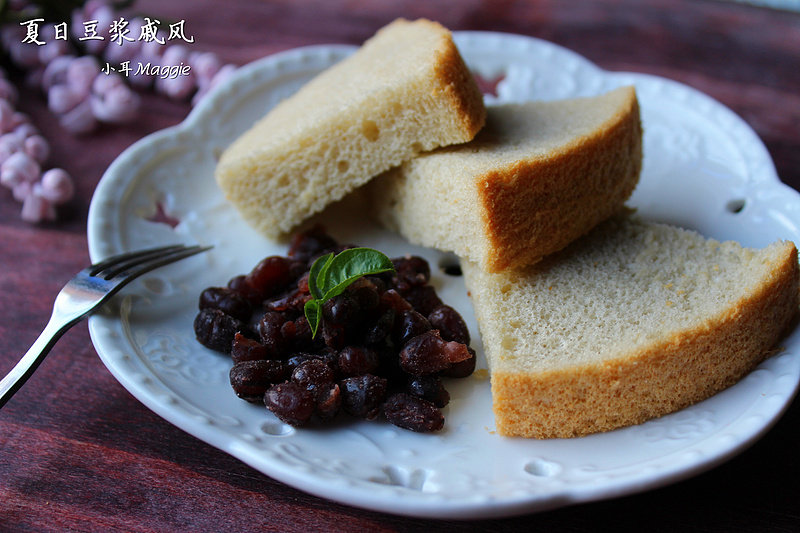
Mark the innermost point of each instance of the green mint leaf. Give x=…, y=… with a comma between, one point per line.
x=321, y=264
x=330, y=275
x=313, y=312
x=348, y=266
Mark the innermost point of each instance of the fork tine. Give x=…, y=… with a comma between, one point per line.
x=134, y=270
x=129, y=257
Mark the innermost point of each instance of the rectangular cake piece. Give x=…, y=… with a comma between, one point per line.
x=538, y=176
x=405, y=91
x=633, y=321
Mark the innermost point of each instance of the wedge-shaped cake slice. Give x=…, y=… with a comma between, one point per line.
x=539, y=175
x=405, y=91
x=631, y=322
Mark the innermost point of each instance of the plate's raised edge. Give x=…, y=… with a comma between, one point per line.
x=761, y=167
x=113, y=182
x=462, y=38
x=759, y=163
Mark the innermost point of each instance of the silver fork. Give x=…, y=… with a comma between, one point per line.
x=85, y=293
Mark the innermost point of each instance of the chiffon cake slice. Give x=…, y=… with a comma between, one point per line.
x=405, y=91
x=632, y=321
x=538, y=176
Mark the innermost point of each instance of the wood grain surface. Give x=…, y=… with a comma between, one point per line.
x=79, y=453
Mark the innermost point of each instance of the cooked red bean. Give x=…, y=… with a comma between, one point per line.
x=269, y=276
x=246, y=349
x=429, y=353
x=362, y=395
x=310, y=244
x=357, y=360
x=226, y=300
x=269, y=329
x=365, y=293
x=216, y=330
x=251, y=379
x=412, y=412
x=410, y=271
x=429, y=388
x=291, y=301
x=450, y=324
x=314, y=374
x=291, y=402
x=329, y=402
x=423, y=298
x=408, y=325
x=301, y=357
x=391, y=299
x=380, y=329
x=240, y=285
x=342, y=310
x=461, y=369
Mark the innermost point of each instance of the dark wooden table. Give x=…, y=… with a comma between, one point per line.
x=78, y=452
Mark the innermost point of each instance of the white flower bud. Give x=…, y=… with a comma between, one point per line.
x=57, y=186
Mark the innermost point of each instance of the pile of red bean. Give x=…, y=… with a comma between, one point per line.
x=383, y=345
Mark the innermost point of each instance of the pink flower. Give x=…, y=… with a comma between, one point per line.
x=36, y=208
x=37, y=147
x=18, y=167
x=57, y=186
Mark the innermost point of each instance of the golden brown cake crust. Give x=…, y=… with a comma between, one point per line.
x=461, y=89
x=686, y=369
x=570, y=196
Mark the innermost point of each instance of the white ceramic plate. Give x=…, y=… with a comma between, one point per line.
x=704, y=168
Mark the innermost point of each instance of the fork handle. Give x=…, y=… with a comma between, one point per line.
x=33, y=357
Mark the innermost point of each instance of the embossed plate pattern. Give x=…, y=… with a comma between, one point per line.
x=704, y=168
